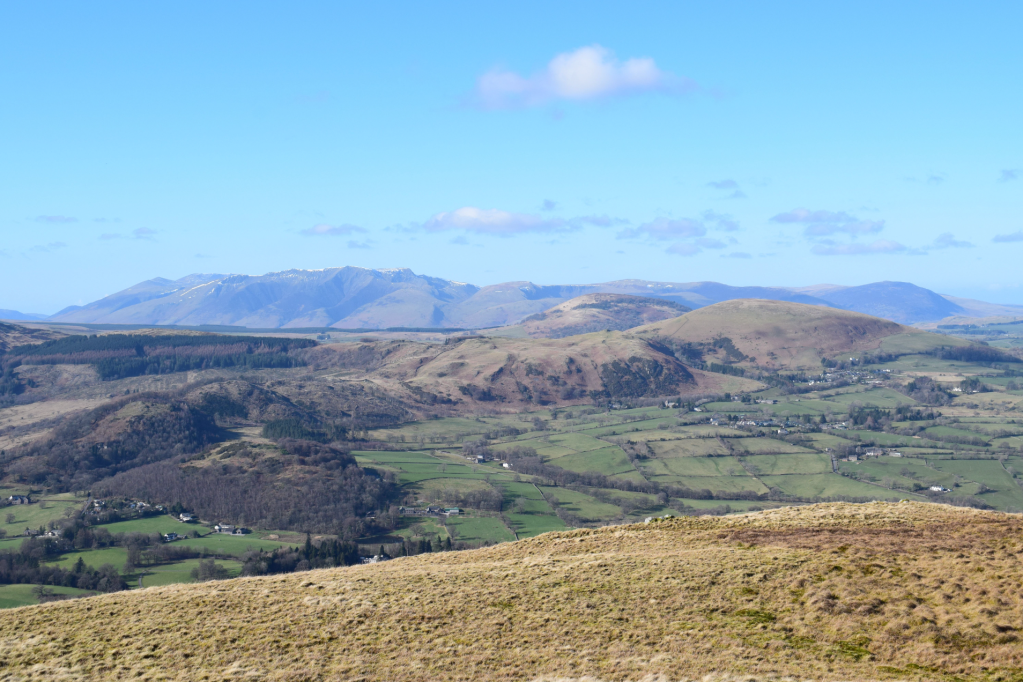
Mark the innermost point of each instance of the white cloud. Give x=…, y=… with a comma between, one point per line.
x=48, y=248
x=823, y=223
x=728, y=184
x=1016, y=236
x=666, y=228
x=683, y=249
x=881, y=246
x=331, y=230
x=505, y=223
x=587, y=73
x=709, y=243
x=722, y=221
x=55, y=219
x=143, y=233
x=493, y=221
x=947, y=240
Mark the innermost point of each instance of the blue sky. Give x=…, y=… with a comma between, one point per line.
x=748, y=143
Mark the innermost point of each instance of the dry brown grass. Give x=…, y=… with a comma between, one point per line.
x=827, y=592
x=779, y=334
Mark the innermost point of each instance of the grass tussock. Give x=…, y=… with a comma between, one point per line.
x=827, y=592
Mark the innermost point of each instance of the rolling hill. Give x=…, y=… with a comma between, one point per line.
x=896, y=301
x=905, y=591
x=591, y=313
x=509, y=374
x=784, y=335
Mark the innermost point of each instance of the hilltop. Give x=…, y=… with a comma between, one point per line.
x=836, y=592
x=785, y=335
x=591, y=313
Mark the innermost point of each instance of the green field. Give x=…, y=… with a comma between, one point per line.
x=234, y=545
x=581, y=504
x=115, y=556
x=12, y=596
x=526, y=525
x=154, y=524
x=37, y=515
x=479, y=529
x=180, y=572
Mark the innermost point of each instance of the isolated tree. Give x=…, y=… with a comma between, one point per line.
x=10, y=518
x=209, y=570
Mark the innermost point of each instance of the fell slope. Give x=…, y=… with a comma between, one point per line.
x=511, y=374
x=909, y=591
x=899, y=301
x=592, y=313
x=781, y=334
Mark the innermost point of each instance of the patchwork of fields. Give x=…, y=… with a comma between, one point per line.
x=971, y=448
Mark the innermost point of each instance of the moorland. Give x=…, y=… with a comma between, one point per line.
x=897, y=591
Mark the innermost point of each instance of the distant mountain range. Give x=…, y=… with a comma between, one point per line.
x=359, y=298
x=19, y=317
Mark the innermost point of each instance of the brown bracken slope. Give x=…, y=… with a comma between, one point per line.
x=906, y=591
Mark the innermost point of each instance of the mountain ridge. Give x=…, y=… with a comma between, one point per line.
x=354, y=297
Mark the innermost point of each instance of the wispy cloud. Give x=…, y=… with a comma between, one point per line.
x=55, y=219
x=736, y=254
x=683, y=249
x=506, y=223
x=587, y=73
x=728, y=185
x=549, y=205
x=143, y=233
x=720, y=221
x=823, y=223
x=331, y=230
x=47, y=248
x=935, y=179
x=352, y=244
x=710, y=243
x=881, y=246
x=460, y=240
x=665, y=228
x=946, y=240
x=107, y=236
x=1010, y=174
x=1016, y=236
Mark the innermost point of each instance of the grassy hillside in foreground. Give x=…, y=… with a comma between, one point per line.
x=837, y=592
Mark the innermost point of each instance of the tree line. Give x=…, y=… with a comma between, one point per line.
x=118, y=356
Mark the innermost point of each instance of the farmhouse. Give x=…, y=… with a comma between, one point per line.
x=185, y=517
x=19, y=499
x=223, y=528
